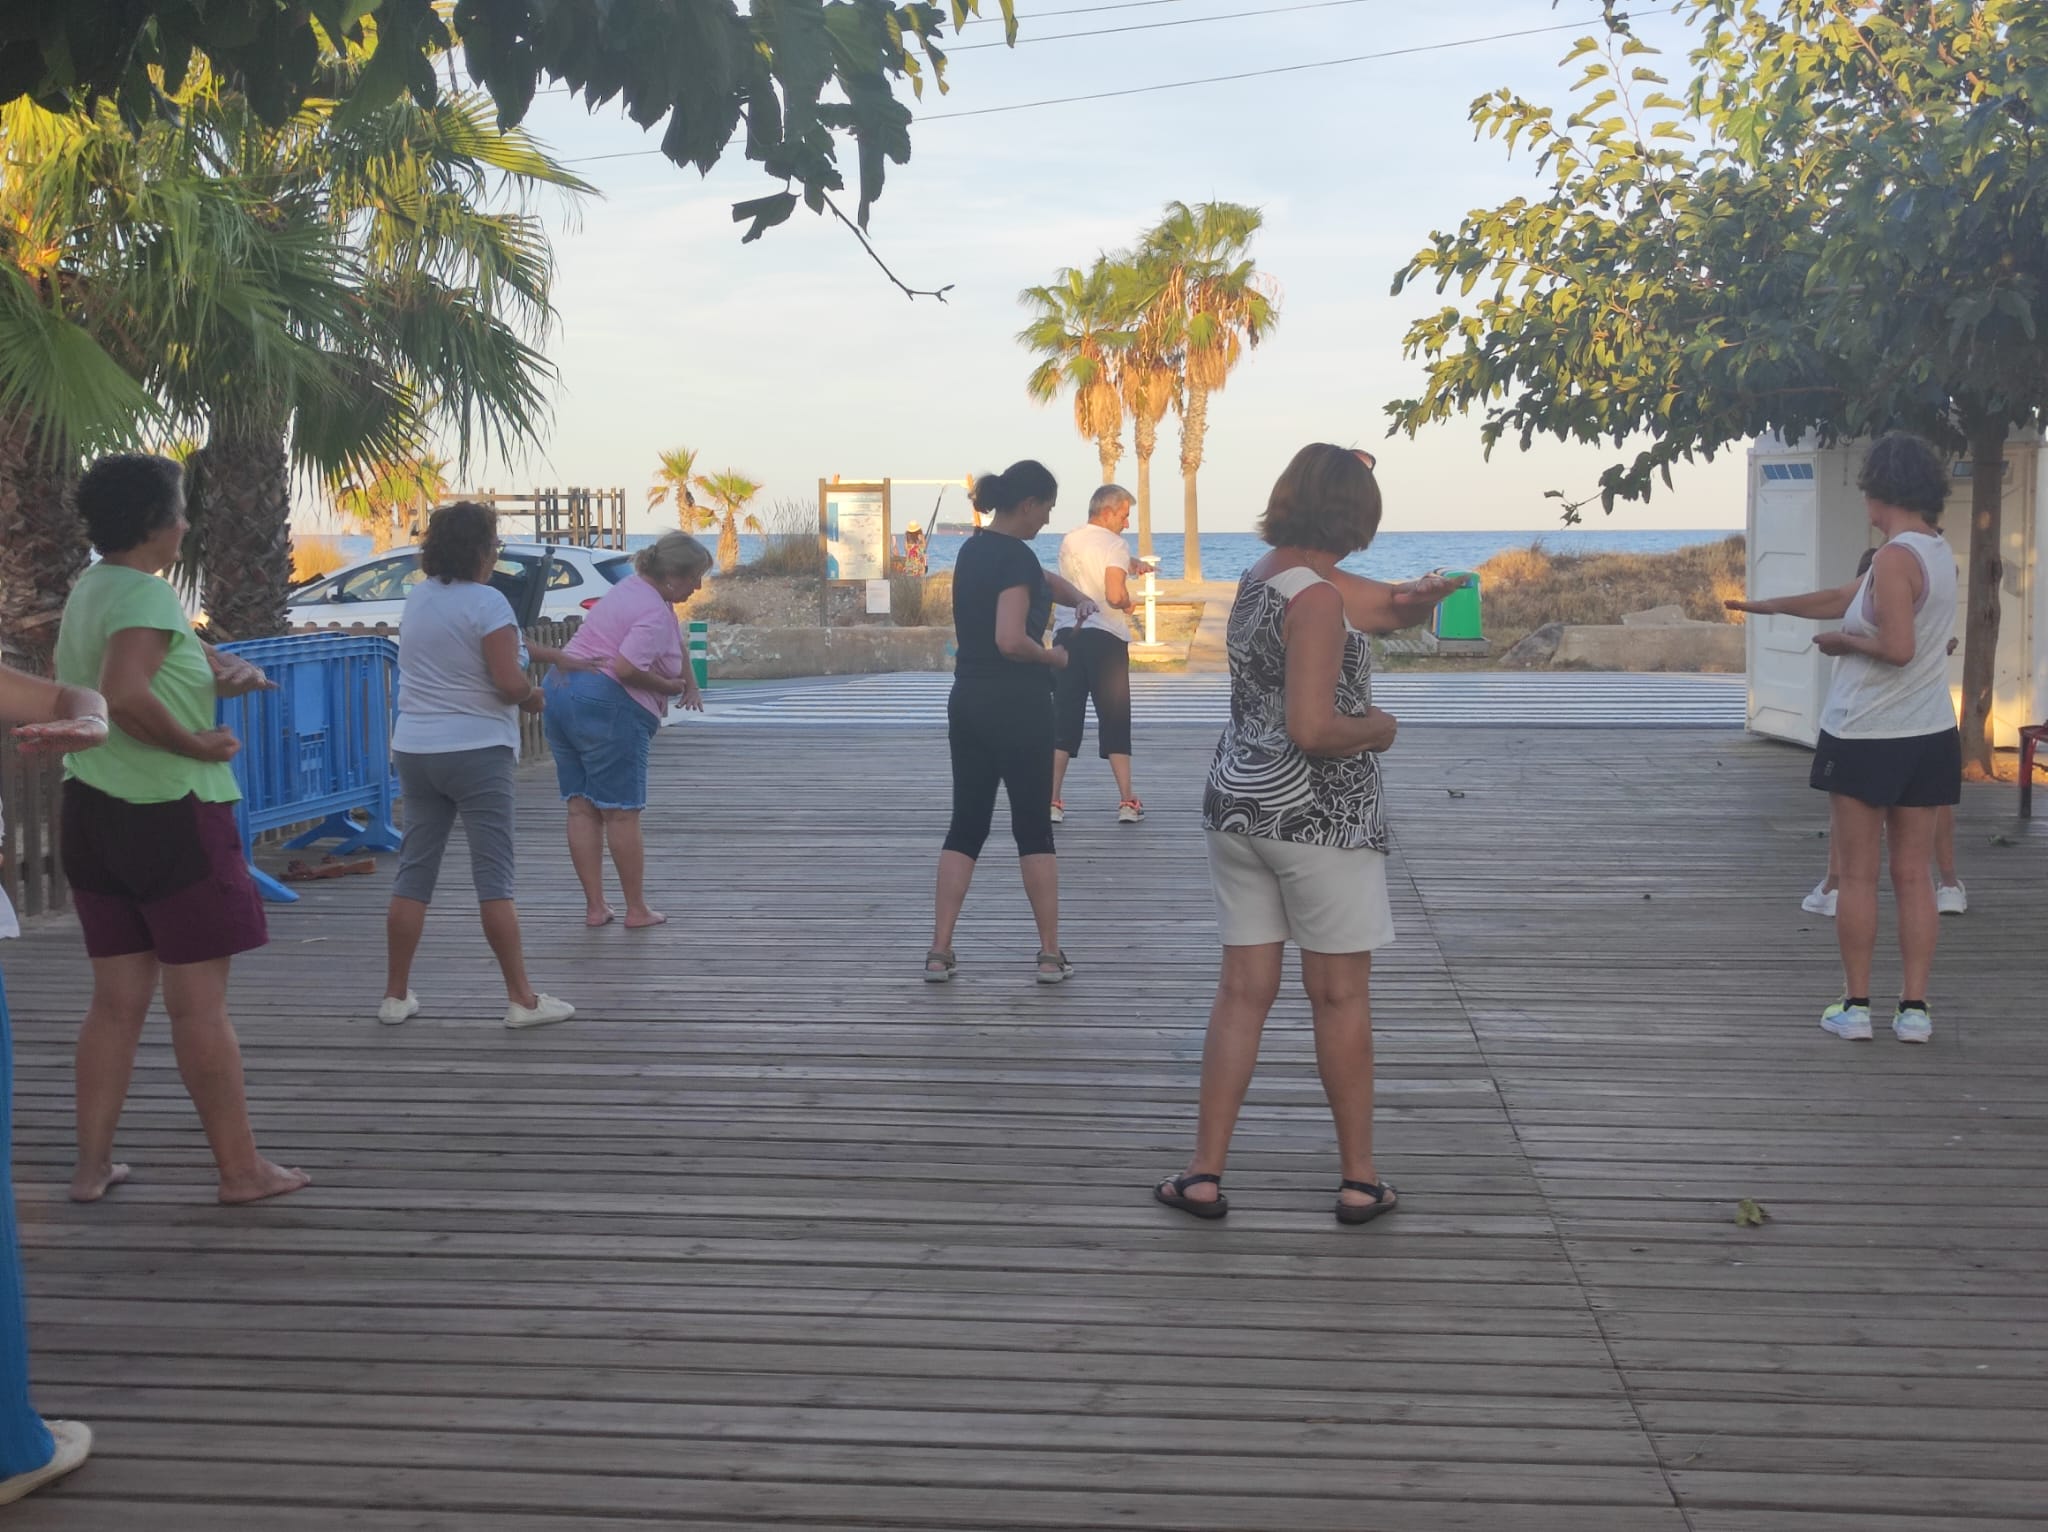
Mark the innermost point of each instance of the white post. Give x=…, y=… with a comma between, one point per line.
x=1151, y=609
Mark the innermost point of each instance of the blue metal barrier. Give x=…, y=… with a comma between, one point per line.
x=319, y=747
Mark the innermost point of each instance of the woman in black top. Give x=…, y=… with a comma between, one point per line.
x=999, y=717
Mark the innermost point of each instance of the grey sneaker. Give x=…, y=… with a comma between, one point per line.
x=1850, y=1022
x=1949, y=899
x=1821, y=901
x=395, y=1013
x=1912, y=1026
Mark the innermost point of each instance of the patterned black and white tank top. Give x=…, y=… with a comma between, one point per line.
x=1260, y=782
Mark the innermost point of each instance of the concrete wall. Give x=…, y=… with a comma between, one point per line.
x=1695, y=646
x=768, y=654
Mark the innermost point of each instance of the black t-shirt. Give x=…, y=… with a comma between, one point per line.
x=991, y=563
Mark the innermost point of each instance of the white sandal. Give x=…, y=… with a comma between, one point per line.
x=74, y=1446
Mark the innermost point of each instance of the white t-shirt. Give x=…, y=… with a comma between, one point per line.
x=9, y=926
x=1868, y=699
x=445, y=698
x=1086, y=554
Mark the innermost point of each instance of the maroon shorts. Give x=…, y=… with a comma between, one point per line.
x=168, y=878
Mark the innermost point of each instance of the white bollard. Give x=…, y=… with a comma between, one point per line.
x=1151, y=609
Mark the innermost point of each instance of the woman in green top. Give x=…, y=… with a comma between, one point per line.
x=151, y=847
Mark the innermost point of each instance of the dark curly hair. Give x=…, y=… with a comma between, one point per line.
x=127, y=498
x=1905, y=470
x=458, y=537
x=1021, y=481
x=1325, y=499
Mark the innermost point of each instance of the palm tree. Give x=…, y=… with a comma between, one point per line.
x=1211, y=304
x=672, y=482
x=451, y=302
x=1075, y=327
x=729, y=492
x=392, y=498
x=1148, y=374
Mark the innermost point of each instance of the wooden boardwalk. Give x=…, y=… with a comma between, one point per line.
x=776, y=1236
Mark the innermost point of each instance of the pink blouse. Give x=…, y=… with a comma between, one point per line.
x=633, y=622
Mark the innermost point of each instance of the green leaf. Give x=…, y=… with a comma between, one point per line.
x=766, y=213
x=1750, y=1214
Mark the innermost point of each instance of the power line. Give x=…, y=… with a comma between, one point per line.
x=1253, y=74
x=1218, y=79
x=1155, y=26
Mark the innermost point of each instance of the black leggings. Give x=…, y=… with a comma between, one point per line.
x=1098, y=666
x=1000, y=734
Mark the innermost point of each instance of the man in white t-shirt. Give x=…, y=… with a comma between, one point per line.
x=1097, y=561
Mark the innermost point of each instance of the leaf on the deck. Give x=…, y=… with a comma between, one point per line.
x=1749, y=1213
x=2003, y=840
x=1455, y=792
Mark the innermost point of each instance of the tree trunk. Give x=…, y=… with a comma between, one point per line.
x=1147, y=439
x=239, y=490
x=42, y=546
x=1109, y=451
x=1980, y=624
x=1194, y=425
x=728, y=544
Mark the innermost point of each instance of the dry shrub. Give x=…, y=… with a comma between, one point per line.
x=1521, y=589
x=314, y=556
x=791, y=547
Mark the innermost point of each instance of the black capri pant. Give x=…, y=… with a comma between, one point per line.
x=1000, y=735
x=1098, y=666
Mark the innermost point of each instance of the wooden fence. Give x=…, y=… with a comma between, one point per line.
x=32, y=872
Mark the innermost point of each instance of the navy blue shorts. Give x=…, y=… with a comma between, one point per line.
x=1913, y=771
x=599, y=737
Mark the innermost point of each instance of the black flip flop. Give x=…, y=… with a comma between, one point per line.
x=1384, y=1201
x=1178, y=1197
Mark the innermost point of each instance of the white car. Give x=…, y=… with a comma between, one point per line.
x=373, y=590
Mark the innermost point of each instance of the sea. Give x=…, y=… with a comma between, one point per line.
x=1226, y=555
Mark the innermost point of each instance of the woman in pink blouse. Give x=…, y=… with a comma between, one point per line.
x=601, y=720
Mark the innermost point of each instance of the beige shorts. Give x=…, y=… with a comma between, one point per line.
x=1319, y=897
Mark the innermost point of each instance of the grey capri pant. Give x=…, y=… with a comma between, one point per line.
x=474, y=785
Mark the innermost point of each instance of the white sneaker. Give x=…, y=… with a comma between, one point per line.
x=1849, y=1022
x=74, y=1446
x=1059, y=812
x=1949, y=899
x=394, y=1013
x=1914, y=1026
x=546, y=1012
x=1821, y=901
x=1129, y=812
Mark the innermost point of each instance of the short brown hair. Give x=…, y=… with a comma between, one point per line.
x=458, y=537
x=1325, y=499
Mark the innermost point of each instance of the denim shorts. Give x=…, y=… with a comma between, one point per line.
x=599, y=737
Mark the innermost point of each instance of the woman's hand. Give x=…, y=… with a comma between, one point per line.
x=1834, y=643
x=1085, y=609
x=1382, y=727
x=688, y=696
x=217, y=746
x=67, y=736
x=1429, y=589
x=535, y=701
x=1057, y=656
x=234, y=676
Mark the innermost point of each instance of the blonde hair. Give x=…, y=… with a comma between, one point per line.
x=672, y=554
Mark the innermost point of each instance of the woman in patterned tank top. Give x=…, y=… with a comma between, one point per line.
x=1295, y=819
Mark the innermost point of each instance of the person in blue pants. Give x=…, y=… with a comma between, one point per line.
x=56, y=720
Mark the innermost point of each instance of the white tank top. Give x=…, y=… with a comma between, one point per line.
x=1868, y=699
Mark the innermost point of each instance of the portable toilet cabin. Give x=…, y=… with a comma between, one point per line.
x=1808, y=528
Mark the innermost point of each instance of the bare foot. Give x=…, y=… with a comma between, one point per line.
x=90, y=1183
x=601, y=916
x=266, y=1180
x=641, y=920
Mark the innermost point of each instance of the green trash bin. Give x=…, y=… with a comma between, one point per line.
x=1458, y=615
x=700, y=653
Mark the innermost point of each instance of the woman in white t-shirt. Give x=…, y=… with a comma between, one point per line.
x=462, y=684
x=1889, y=756
x=56, y=720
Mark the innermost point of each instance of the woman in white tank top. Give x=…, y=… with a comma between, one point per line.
x=1889, y=756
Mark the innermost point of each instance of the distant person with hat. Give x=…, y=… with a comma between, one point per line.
x=915, y=550
x=1097, y=562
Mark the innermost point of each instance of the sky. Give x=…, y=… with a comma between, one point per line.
x=793, y=359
